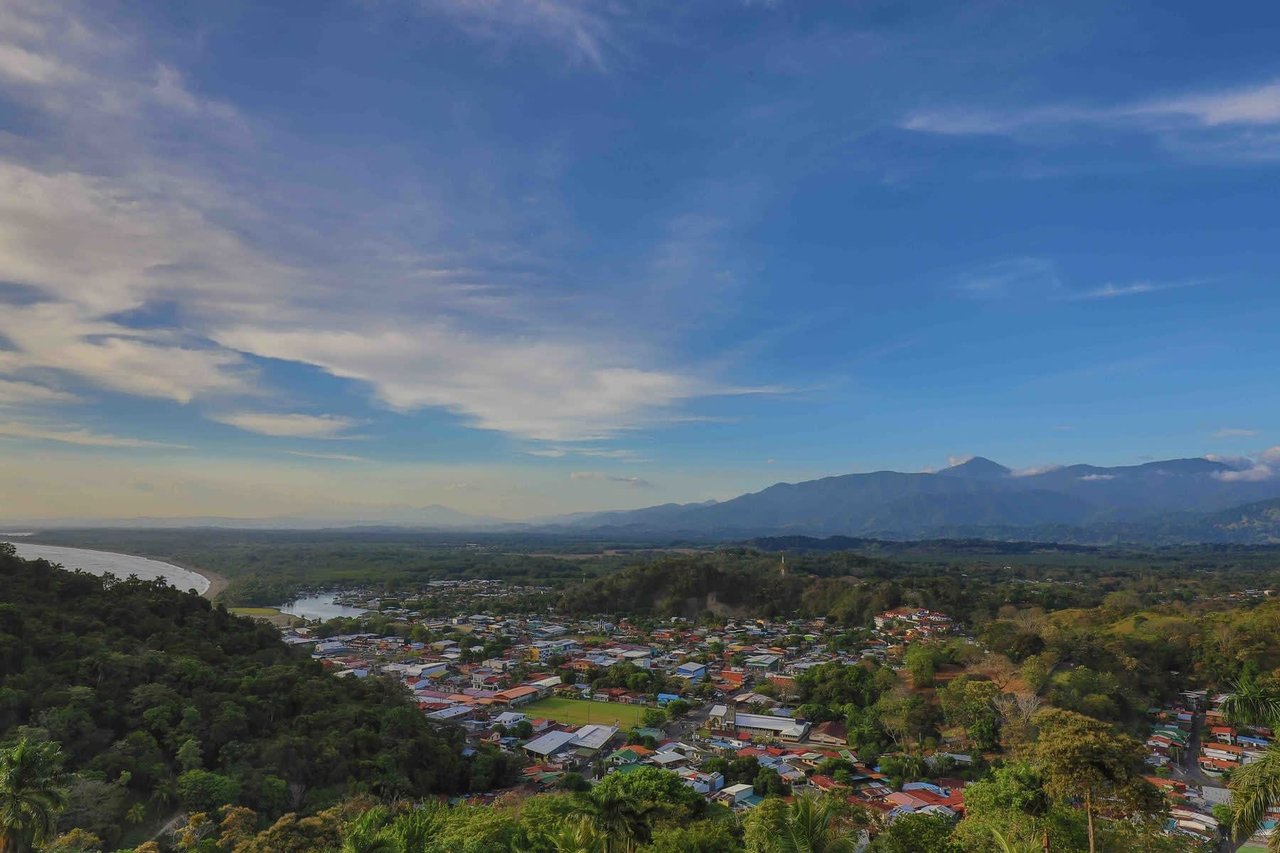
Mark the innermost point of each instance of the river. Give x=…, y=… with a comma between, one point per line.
x=321, y=606
x=120, y=565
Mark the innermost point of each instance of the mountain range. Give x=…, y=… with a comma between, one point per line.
x=1172, y=500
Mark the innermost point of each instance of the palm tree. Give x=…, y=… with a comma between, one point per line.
x=1255, y=788
x=580, y=836
x=624, y=824
x=815, y=825
x=31, y=796
x=1249, y=703
x=1013, y=844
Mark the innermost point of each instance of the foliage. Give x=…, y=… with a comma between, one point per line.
x=155, y=694
x=31, y=795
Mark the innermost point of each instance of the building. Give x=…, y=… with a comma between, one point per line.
x=726, y=719
x=516, y=696
x=692, y=671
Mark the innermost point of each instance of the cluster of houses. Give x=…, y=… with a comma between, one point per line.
x=914, y=623
x=1188, y=777
x=1224, y=747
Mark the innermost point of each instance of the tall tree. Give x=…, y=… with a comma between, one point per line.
x=1086, y=759
x=31, y=794
x=809, y=824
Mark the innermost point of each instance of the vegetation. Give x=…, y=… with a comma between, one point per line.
x=157, y=700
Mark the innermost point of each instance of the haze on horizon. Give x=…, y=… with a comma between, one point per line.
x=523, y=259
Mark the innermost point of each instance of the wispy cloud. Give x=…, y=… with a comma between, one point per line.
x=288, y=425
x=1040, y=278
x=77, y=435
x=1014, y=276
x=433, y=327
x=1114, y=291
x=1238, y=123
x=633, y=482
x=333, y=457
x=1234, y=432
x=1097, y=478
x=1035, y=471
x=561, y=451
x=15, y=393
x=582, y=30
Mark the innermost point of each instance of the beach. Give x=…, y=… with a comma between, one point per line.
x=207, y=584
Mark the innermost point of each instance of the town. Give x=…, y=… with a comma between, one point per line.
x=721, y=706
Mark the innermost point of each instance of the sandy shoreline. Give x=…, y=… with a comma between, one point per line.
x=217, y=583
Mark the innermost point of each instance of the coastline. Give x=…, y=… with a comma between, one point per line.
x=217, y=583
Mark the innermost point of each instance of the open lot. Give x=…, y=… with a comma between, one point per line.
x=578, y=712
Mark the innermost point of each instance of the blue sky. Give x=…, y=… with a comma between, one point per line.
x=523, y=257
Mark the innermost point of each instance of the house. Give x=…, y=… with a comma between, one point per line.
x=692, y=671
x=703, y=783
x=830, y=732
x=548, y=745
x=763, y=663
x=670, y=760
x=738, y=796
x=516, y=696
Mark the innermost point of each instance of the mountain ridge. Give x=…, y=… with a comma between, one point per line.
x=973, y=497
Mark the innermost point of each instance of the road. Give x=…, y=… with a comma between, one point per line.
x=1210, y=790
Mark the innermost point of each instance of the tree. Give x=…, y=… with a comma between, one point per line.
x=911, y=833
x=769, y=782
x=921, y=660
x=808, y=825
x=627, y=805
x=706, y=836
x=31, y=793
x=1083, y=758
x=206, y=791
x=1255, y=788
x=653, y=718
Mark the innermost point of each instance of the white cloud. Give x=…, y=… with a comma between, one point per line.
x=1261, y=467
x=288, y=425
x=102, y=223
x=1112, y=291
x=561, y=451
x=333, y=457
x=1015, y=276
x=76, y=435
x=1093, y=478
x=1035, y=471
x=633, y=482
x=1234, y=123
x=20, y=393
x=1234, y=432
x=953, y=461
x=581, y=29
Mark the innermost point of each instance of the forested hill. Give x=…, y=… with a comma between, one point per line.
x=161, y=701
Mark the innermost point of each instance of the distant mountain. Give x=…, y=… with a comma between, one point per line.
x=1176, y=500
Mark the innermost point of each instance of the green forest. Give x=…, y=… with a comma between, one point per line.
x=135, y=717
x=161, y=702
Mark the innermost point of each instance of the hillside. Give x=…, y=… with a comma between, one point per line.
x=159, y=700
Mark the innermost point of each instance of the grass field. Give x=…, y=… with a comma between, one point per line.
x=577, y=712
x=266, y=614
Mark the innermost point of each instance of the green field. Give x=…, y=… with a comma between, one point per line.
x=578, y=712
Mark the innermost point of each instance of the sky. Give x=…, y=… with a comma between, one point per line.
x=347, y=260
